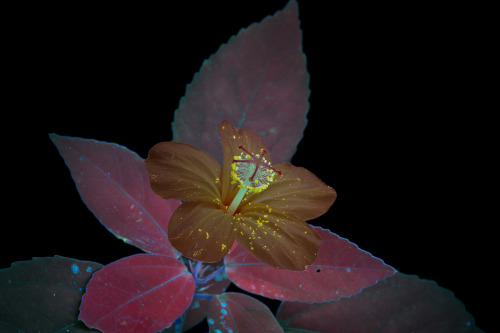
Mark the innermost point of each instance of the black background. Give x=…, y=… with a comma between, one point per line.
x=385, y=124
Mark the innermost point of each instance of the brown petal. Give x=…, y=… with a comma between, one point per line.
x=183, y=172
x=297, y=192
x=281, y=241
x=201, y=231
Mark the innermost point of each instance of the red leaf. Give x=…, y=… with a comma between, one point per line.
x=114, y=185
x=341, y=269
x=400, y=303
x=258, y=81
x=140, y=293
x=236, y=312
x=43, y=294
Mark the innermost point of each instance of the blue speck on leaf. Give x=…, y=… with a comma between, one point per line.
x=223, y=311
x=89, y=269
x=210, y=321
x=223, y=304
x=75, y=269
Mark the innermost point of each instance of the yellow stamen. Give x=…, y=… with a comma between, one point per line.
x=253, y=173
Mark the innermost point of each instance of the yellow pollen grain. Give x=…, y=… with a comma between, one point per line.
x=223, y=247
x=216, y=180
x=207, y=234
x=199, y=230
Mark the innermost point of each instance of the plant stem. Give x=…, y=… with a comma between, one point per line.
x=211, y=275
x=179, y=323
x=202, y=296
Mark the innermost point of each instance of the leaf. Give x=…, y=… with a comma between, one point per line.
x=258, y=81
x=199, y=307
x=401, y=303
x=114, y=184
x=236, y=312
x=140, y=293
x=43, y=294
x=341, y=269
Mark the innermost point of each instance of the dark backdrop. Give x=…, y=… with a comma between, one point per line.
x=384, y=124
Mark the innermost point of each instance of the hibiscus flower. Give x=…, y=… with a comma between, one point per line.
x=261, y=206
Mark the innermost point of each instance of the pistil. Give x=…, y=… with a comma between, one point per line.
x=237, y=200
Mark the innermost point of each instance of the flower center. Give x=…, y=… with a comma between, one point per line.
x=253, y=173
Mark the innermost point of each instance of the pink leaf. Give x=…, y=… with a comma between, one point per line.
x=114, y=185
x=341, y=269
x=140, y=293
x=401, y=303
x=236, y=312
x=258, y=81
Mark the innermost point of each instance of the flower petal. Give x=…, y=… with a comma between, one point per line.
x=231, y=140
x=281, y=241
x=201, y=231
x=183, y=172
x=296, y=192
